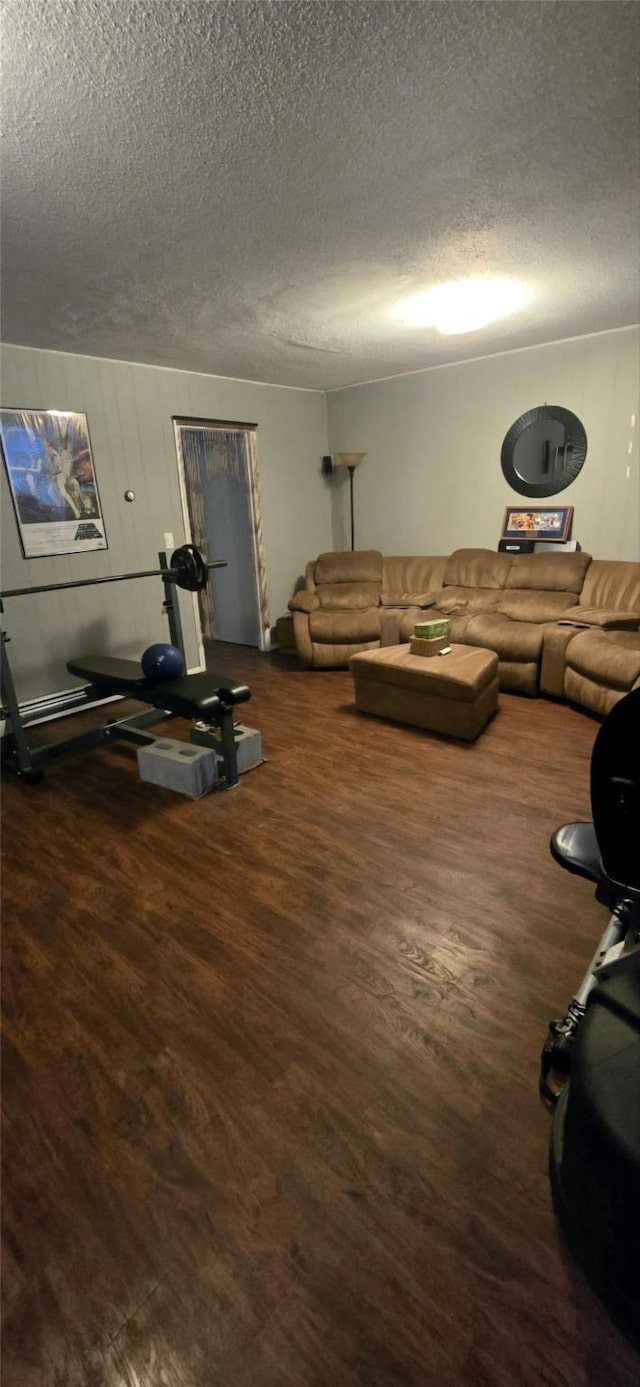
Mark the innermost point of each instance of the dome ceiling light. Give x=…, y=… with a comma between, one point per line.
x=464, y=305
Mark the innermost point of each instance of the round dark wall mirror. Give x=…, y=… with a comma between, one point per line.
x=543, y=451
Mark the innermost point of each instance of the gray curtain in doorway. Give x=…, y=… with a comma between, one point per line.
x=208, y=452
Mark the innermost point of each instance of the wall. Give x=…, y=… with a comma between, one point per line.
x=430, y=483
x=432, y=480
x=129, y=410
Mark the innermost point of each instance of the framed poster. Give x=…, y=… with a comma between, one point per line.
x=47, y=454
x=538, y=522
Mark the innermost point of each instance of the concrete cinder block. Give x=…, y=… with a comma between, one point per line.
x=248, y=743
x=178, y=766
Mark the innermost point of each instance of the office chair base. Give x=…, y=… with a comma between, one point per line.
x=555, y=1060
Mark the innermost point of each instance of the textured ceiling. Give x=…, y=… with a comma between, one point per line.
x=248, y=188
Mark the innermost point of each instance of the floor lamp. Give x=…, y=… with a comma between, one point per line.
x=351, y=460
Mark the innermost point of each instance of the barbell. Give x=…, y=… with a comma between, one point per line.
x=188, y=569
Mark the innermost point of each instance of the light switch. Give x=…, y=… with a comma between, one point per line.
x=168, y=540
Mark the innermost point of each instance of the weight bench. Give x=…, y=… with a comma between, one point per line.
x=209, y=698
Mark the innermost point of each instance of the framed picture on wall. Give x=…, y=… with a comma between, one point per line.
x=50, y=468
x=538, y=522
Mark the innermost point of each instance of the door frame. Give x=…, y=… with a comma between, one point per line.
x=255, y=514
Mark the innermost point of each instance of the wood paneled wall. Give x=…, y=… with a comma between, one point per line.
x=129, y=409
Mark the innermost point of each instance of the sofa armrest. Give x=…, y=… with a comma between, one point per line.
x=397, y=623
x=304, y=648
x=452, y=606
x=390, y=626
x=411, y=599
x=555, y=640
x=304, y=602
x=600, y=618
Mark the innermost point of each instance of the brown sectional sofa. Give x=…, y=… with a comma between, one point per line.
x=562, y=624
x=603, y=658
x=338, y=612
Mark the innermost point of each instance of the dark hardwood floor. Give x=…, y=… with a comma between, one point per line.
x=270, y=1060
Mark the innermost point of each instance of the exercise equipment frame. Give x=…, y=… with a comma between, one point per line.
x=189, y=570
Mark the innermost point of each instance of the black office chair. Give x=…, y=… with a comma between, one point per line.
x=606, y=852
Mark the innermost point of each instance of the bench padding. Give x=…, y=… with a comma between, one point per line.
x=191, y=696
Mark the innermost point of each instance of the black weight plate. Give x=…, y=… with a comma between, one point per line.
x=190, y=568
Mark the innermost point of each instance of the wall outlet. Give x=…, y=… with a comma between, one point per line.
x=168, y=541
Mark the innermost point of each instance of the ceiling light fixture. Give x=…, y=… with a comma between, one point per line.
x=463, y=305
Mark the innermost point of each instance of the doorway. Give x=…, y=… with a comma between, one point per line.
x=220, y=475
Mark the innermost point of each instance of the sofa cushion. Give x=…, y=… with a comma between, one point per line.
x=338, y=656
x=548, y=572
x=608, y=657
x=476, y=568
x=525, y=604
x=519, y=676
x=352, y=597
x=361, y=566
x=597, y=697
x=343, y=628
x=405, y=580
x=612, y=586
x=511, y=640
x=460, y=622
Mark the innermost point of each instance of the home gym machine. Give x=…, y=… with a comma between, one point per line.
x=606, y=852
x=209, y=698
x=591, y=1061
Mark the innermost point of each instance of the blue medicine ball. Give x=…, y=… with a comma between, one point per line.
x=162, y=662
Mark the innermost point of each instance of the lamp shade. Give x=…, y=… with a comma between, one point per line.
x=350, y=459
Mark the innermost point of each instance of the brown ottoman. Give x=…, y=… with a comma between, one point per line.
x=455, y=694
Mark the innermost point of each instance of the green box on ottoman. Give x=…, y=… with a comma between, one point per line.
x=433, y=630
x=455, y=694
